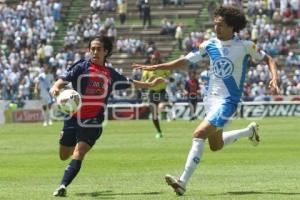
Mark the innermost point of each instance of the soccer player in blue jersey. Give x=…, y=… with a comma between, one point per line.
x=95, y=82
x=229, y=57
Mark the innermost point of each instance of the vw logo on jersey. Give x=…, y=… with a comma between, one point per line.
x=223, y=67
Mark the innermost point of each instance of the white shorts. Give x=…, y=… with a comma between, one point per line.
x=219, y=111
x=46, y=99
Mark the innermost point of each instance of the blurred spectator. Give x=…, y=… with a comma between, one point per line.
x=24, y=86
x=292, y=59
x=110, y=6
x=146, y=13
x=291, y=88
x=295, y=4
x=164, y=3
x=276, y=16
x=130, y=46
x=100, y=6
x=179, y=2
x=188, y=43
x=150, y=48
x=167, y=27
x=122, y=10
x=112, y=32
x=56, y=9
x=179, y=36
x=88, y=27
x=271, y=8
x=211, y=8
x=95, y=5
x=139, y=7
x=283, y=6
x=296, y=77
x=288, y=14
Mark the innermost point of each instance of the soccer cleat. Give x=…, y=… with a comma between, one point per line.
x=158, y=135
x=254, y=138
x=60, y=191
x=45, y=123
x=193, y=118
x=50, y=122
x=177, y=185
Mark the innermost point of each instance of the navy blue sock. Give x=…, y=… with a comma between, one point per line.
x=156, y=124
x=71, y=171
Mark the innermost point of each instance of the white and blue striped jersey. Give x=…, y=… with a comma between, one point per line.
x=228, y=65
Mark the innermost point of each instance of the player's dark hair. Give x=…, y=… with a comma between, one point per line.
x=107, y=44
x=233, y=17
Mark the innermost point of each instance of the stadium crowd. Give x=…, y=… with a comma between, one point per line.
x=102, y=5
x=27, y=30
x=26, y=33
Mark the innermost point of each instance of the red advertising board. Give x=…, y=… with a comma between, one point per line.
x=27, y=115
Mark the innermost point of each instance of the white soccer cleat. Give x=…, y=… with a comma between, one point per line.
x=45, y=123
x=177, y=185
x=50, y=123
x=254, y=138
x=60, y=191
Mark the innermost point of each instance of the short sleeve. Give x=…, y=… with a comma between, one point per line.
x=254, y=52
x=199, y=54
x=119, y=82
x=40, y=78
x=73, y=72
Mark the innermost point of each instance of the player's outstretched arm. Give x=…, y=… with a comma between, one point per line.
x=54, y=90
x=178, y=63
x=154, y=82
x=274, y=81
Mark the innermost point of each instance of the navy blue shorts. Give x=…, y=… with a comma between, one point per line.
x=193, y=99
x=80, y=130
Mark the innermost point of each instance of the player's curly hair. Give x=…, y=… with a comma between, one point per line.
x=233, y=17
x=107, y=44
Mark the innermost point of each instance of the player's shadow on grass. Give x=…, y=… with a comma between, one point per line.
x=109, y=194
x=256, y=192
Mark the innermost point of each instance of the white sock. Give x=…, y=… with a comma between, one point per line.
x=47, y=115
x=193, y=159
x=231, y=136
x=173, y=112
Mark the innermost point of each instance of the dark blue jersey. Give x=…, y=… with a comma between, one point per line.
x=95, y=83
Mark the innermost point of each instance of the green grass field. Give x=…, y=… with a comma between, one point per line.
x=129, y=163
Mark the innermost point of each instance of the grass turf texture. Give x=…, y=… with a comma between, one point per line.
x=129, y=163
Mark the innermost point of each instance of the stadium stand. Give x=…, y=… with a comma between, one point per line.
x=27, y=30
x=65, y=40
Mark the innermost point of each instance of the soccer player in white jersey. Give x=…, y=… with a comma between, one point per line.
x=229, y=57
x=43, y=83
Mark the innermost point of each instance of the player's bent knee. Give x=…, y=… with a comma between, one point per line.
x=200, y=134
x=63, y=156
x=65, y=152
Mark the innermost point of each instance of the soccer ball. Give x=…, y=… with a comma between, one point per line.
x=68, y=101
